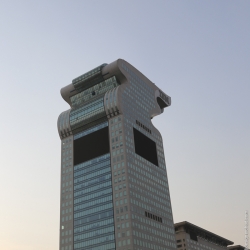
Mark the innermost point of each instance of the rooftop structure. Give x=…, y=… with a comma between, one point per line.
x=236, y=247
x=190, y=236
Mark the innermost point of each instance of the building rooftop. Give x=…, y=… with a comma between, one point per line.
x=195, y=231
x=236, y=247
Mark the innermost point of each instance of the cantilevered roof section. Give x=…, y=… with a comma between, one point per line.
x=92, y=77
x=200, y=232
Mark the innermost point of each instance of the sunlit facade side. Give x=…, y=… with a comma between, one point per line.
x=114, y=187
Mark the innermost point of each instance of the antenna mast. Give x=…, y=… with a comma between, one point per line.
x=246, y=230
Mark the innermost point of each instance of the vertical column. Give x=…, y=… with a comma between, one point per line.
x=66, y=204
x=120, y=184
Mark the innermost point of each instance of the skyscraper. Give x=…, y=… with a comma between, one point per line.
x=114, y=187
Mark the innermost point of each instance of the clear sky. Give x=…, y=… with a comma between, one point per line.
x=198, y=52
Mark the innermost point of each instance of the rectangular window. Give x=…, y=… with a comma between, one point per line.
x=145, y=147
x=91, y=146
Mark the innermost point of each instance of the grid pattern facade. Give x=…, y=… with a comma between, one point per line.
x=93, y=204
x=185, y=243
x=148, y=186
x=119, y=200
x=192, y=237
x=66, y=205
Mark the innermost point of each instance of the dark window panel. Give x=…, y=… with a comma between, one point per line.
x=145, y=147
x=91, y=146
x=193, y=236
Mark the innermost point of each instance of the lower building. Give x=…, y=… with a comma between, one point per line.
x=236, y=247
x=191, y=237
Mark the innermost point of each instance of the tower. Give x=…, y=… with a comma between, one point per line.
x=114, y=187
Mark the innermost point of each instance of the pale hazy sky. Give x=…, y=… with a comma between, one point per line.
x=198, y=52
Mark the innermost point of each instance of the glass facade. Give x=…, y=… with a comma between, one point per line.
x=87, y=111
x=93, y=92
x=114, y=191
x=88, y=106
x=93, y=203
x=92, y=74
x=88, y=131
